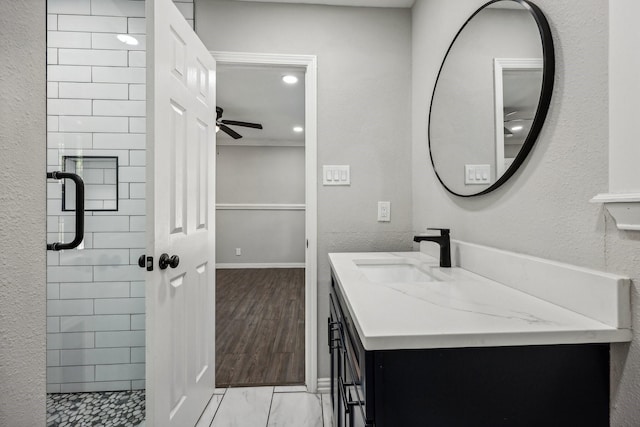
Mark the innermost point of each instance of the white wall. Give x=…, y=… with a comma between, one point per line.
x=22, y=213
x=363, y=114
x=624, y=97
x=622, y=249
x=544, y=209
x=260, y=175
x=96, y=107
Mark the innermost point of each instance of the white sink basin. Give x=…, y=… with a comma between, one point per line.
x=396, y=270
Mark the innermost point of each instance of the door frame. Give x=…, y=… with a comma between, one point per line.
x=499, y=66
x=309, y=63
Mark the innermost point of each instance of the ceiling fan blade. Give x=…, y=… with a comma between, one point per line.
x=245, y=124
x=232, y=133
x=219, y=111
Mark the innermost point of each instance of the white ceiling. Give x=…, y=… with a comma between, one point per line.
x=257, y=94
x=364, y=3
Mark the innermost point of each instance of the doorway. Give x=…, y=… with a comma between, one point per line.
x=266, y=222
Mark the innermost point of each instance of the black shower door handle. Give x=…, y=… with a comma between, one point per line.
x=58, y=246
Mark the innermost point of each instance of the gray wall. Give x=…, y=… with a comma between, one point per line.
x=544, y=209
x=260, y=175
x=364, y=90
x=22, y=213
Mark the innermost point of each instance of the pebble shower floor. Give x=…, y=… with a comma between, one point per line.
x=105, y=409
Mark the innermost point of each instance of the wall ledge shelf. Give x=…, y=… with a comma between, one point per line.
x=623, y=207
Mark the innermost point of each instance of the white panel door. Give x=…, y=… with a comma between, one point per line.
x=180, y=219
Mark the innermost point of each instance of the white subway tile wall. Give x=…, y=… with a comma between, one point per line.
x=96, y=107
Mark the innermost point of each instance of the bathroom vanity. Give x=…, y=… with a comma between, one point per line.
x=414, y=344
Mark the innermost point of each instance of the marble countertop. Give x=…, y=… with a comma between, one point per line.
x=462, y=309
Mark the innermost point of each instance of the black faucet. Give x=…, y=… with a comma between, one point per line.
x=443, y=241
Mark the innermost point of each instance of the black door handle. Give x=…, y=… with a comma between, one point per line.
x=168, y=261
x=58, y=246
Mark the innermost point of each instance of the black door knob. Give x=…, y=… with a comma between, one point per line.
x=168, y=261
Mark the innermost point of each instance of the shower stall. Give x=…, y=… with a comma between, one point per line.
x=96, y=130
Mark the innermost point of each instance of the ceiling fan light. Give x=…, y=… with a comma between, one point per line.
x=298, y=129
x=290, y=79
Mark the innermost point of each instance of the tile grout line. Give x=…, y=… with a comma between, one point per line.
x=219, y=405
x=270, y=405
x=224, y=395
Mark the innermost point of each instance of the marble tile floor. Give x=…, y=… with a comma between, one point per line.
x=106, y=409
x=280, y=406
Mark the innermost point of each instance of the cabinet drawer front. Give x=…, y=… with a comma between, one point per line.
x=356, y=361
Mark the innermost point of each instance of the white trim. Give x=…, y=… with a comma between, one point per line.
x=623, y=207
x=309, y=63
x=324, y=385
x=616, y=198
x=259, y=207
x=306, y=61
x=623, y=202
x=236, y=265
x=248, y=142
x=499, y=65
x=520, y=63
x=407, y=4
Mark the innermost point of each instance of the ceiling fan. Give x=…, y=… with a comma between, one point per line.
x=222, y=124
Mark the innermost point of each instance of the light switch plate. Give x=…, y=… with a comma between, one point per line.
x=477, y=174
x=336, y=175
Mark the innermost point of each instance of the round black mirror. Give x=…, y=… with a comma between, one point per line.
x=491, y=96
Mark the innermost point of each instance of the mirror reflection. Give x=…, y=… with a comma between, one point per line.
x=486, y=98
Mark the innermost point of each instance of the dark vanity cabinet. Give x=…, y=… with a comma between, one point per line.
x=538, y=385
x=351, y=368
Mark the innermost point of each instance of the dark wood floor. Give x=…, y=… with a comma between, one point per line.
x=259, y=327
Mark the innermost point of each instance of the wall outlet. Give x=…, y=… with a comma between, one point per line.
x=238, y=251
x=384, y=211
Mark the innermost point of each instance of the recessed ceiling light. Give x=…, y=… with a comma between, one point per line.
x=298, y=129
x=289, y=79
x=127, y=39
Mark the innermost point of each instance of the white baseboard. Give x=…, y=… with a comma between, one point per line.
x=324, y=385
x=230, y=265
